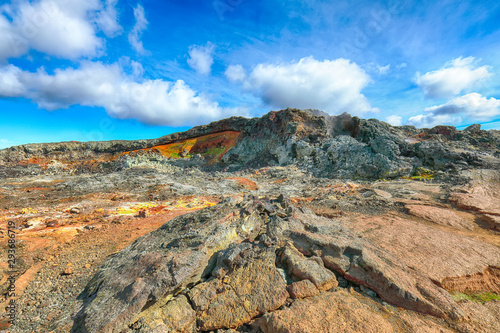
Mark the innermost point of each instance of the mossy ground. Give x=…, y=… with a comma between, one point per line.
x=481, y=297
x=422, y=174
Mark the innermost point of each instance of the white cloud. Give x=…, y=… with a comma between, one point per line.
x=235, y=73
x=123, y=96
x=11, y=44
x=9, y=81
x=200, y=58
x=394, y=120
x=137, y=68
x=455, y=77
x=141, y=23
x=330, y=85
x=431, y=120
x=473, y=106
x=61, y=28
x=107, y=19
x=382, y=70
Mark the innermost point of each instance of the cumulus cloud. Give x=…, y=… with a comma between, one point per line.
x=61, y=28
x=431, y=120
x=473, y=106
x=455, y=77
x=235, y=73
x=9, y=82
x=330, y=85
x=94, y=84
x=141, y=23
x=394, y=120
x=201, y=59
x=11, y=44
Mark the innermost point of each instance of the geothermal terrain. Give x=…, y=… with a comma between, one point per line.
x=293, y=222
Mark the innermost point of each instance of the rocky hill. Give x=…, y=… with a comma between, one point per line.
x=292, y=222
x=327, y=146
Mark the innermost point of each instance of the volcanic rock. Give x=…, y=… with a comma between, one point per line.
x=480, y=198
x=330, y=312
x=296, y=221
x=492, y=220
x=302, y=289
x=326, y=145
x=245, y=280
x=302, y=268
x=440, y=216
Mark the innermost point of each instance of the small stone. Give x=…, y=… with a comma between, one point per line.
x=51, y=223
x=184, y=153
x=67, y=271
x=43, y=305
x=142, y=214
x=368, y=194
x=368, y=291
x=266, y=240
x=284, y=200
x=117, y=220
x=342, y=282
x=382, y=194
x=75, y=210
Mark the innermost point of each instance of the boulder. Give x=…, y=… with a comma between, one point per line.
x=302, y=268
x=252, y=287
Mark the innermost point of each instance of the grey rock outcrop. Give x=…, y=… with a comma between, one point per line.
x=340, y=146
x=234, y=262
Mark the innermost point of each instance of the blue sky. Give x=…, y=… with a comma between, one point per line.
x=110, y=69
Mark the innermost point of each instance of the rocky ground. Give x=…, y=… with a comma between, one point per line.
x=293, y=222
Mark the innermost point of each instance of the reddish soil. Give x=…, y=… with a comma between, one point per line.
x=246, y=183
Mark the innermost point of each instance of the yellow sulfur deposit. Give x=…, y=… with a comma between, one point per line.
x=156, y=207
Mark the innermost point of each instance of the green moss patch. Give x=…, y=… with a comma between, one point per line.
x=215, y=151
x=423, y=174
x=481, y=297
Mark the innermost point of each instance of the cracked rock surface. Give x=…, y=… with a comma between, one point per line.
x=235, y=261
